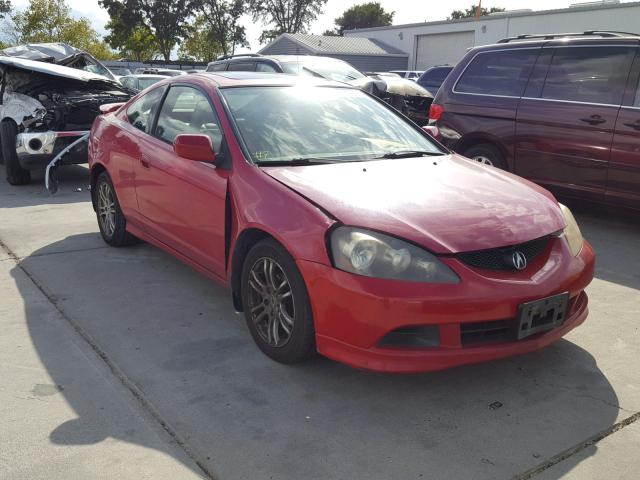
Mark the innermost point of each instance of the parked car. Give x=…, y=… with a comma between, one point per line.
x=119, y=71
x=61, y=54
x=139, y=82
x=339, y=225
x=408, y=74
x=167, y=72
x=562, y=110
x=433, y=77
x=405, y=95
x=45, y=109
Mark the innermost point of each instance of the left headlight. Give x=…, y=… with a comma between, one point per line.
x=571, y=232
x=373, y=254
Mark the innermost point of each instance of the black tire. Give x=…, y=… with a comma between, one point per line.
x=487, y=154
x=300, y=345
x=113, y=229
x=16, y=175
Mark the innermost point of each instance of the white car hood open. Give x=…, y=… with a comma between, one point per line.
x=52, y=69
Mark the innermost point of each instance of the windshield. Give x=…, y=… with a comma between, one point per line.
x=341, y=124
x=330, y=69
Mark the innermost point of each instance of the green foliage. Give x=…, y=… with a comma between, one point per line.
x=51, y=21
x=167, y=20
x=201, y=44
x=220, y=20
x=471, y=12
x=365, y=15
x=286, y=16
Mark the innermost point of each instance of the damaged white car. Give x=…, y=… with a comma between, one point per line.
x=47, y=111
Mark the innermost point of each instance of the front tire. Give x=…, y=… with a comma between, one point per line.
x=16, y=175
x=276, y=304
x=111, y=221
x=486, y=154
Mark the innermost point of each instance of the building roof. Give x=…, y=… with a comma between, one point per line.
x=320, y=44
x=517, y=13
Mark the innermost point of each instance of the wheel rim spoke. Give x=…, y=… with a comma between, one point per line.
x=106, y=209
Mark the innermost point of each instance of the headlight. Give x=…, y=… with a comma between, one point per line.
x=373, y=254
x=571, y=232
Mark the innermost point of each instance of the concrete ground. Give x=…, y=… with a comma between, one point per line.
x=125, y=363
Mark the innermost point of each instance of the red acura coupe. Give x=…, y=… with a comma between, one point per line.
x=338, y=225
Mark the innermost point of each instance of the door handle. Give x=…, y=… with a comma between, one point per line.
x=635, y=126
x=144, y=163
x=593, y=120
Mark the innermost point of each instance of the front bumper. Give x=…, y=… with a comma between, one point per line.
x=353, y=313
x=37, y=149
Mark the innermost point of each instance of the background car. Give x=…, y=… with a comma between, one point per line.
x=433, y=78
x=167, y=72
x=408, y=74
x=139, y=82
x=406, y=96
x=389, y=256
x=560, y=110
x=119, y=71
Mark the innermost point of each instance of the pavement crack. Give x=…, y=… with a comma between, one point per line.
x=114, y=368
x=569, y=452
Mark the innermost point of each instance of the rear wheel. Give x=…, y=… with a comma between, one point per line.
x=16, y=175
x=276, y=304
x=111, y=221
x=486, y=154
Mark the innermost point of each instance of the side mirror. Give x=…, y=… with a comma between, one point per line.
x=110, y=107
x=196, y=147
x=432, y=130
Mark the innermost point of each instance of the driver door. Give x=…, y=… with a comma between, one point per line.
x=183, y=201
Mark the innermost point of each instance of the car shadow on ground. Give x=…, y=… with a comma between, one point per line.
x=73, y=188
x=177, y=338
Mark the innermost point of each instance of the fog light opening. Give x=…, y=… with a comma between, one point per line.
x=412, y=337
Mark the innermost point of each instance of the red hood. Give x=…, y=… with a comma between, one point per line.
x=447, y=204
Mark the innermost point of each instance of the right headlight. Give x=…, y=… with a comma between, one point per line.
x=571, y=232
x=374, y=254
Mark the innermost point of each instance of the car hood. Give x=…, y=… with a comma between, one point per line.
x=52, y=69
x=446, y=204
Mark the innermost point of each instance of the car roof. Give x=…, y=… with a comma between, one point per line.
x=238, y=79
x=278, y=58
x=586, y=40
x=146, y=75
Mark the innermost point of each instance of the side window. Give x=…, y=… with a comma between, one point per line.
x=187, y=110
x=498, y=73
x=217, y=67
x=594, y=75
x=128, y=82
x=242, y=67
x=265, y=67
x=141, y=112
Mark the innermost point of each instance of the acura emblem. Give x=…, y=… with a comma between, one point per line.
x=518, y=260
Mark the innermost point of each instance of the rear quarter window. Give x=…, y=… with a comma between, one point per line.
x=503, y=73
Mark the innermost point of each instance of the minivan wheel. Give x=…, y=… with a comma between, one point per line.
x=276, y=304
x=111, y=221
x=16, y=175
x=486, y=154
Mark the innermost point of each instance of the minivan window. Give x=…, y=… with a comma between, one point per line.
x=265, y=67
x=593, y=75
x=242, y=67
x=217, y=67
x=503, y=73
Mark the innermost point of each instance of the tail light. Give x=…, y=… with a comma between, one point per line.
x=435, y=112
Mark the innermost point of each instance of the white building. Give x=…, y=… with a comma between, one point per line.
x=445, y=42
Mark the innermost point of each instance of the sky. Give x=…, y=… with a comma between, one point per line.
x=406, y=11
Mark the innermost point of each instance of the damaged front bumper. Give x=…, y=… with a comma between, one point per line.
x=37, y=149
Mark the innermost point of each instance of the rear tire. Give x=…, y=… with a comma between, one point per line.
x=276, y=304
x=111, y=221
x=16, y=175
x=486, y=154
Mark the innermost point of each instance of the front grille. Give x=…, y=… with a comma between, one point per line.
x=486, y=332
x=500, y=258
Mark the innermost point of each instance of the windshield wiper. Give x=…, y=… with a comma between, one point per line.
x=411, y=153
x=296, y=162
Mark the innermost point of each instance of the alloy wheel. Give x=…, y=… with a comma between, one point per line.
x=106, y=209
x=271, y=305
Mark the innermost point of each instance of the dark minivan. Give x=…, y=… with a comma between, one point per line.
x=560, y=110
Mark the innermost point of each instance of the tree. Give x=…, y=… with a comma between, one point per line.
x=471, y=12
x=365, y=15
x=286, y=16
x=51, y=21
x=220, y=18
x=200, y=44
x=165, y=19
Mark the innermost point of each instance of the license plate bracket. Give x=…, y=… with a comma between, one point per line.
x=541, y=315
